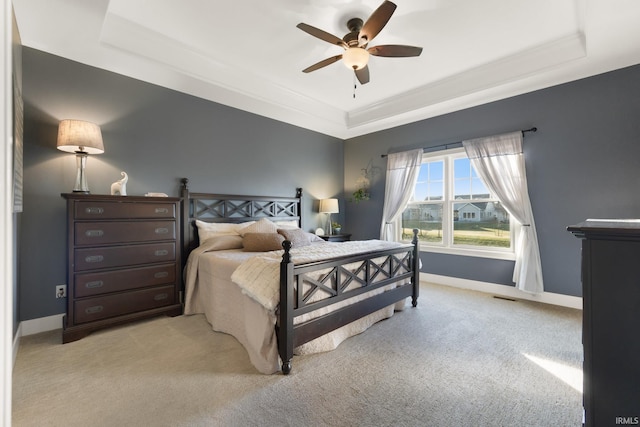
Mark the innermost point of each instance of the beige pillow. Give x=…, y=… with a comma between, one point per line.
x=299, y=237
x=210, y=229
x=262, y=242
x=262, y=226
x=220, y=242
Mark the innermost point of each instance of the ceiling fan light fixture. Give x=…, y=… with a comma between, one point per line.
x=355, y=58
x=361, y=33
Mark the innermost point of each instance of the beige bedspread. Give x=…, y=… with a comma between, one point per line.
x=259, y=276
x=236, y=311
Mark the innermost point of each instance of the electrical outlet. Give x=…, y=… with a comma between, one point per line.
x=61, y=291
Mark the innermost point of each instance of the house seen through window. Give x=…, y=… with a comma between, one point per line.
x=453, y=209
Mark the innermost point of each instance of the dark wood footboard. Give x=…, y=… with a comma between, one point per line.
x=370, y=271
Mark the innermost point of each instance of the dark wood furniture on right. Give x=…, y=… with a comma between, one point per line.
x=611, y=321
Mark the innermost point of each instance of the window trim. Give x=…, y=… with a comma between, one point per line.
x=447, y=246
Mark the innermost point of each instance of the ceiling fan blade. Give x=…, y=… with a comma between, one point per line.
x=363, y=75
x=322, y=63
x=376, y=22
x=322, y=35
x=395, y=50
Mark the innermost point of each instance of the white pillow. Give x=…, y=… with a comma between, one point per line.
x=289, y=225
x=209, y=229
x=262, y=226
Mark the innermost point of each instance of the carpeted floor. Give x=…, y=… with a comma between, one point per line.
x=461, y=358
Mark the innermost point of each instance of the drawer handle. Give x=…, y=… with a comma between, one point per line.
x=94, y=211
x=93, y=310
x=94, y=258
x=161, y=274
x=162, y=210
x=160, y=297
x=161, y=252
x=161, y=230
x=94, y=284
x=94, y=233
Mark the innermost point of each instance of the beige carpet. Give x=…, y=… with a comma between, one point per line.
x=461, y=358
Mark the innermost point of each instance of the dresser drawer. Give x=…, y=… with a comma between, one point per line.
x=123, y=210
x=90, y=284
x=100, y=233
x=121, y=256
x=91, y=309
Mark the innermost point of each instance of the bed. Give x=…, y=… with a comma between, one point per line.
x=254, y=272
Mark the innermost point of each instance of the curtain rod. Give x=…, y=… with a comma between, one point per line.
x=459, y=143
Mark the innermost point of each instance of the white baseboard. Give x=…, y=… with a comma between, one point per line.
x=42, y=324
x=16, y=344
x=503, y=291
x=35, y=326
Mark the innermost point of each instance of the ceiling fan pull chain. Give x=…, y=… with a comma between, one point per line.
x=354, y=86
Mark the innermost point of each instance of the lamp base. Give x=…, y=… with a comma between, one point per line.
x=81, y=177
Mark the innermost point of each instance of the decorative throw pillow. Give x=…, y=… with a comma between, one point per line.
x=299, y=237
x=262, y=226
x=262, y=242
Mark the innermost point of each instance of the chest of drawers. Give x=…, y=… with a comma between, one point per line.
x=123, y=261
x=611, y=321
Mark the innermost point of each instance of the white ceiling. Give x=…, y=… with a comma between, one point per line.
x=249, y=54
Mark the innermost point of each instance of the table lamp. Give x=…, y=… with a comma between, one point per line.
x=329, y=206
x=82, y=138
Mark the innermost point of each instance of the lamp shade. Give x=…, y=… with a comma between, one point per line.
x=355, y=58
x=79, y=136
x=329, y=206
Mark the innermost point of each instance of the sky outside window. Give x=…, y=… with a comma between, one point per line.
x=430, y=185
x=467, y=183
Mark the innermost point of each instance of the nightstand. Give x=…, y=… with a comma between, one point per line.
x=336, y=237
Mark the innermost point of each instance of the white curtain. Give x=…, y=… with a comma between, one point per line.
x=402, y=174
x=499, y=161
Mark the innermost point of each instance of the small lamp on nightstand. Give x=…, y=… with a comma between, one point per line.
x=82, y=138
x=329, y=206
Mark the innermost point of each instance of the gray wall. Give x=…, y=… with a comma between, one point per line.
x=157, y=136
x=583, y=162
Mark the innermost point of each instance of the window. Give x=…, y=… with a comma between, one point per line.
x=454, y=211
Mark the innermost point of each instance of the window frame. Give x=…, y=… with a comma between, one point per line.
x=446, y=246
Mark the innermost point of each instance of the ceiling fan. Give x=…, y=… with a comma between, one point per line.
x=356, y=54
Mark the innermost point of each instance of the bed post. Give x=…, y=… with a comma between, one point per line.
x=186, y=226
x=285, y=336
x=416, y=268
x=300, y=210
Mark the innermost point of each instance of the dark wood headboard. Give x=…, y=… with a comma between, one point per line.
x=209, y=207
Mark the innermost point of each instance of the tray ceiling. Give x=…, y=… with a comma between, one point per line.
x=249, y=55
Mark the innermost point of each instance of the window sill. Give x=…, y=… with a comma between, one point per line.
x=507, y=256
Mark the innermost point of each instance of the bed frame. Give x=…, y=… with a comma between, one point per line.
x=380, y=268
